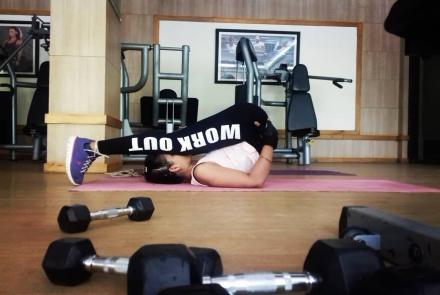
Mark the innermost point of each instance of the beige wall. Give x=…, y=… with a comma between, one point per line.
x=383, y=106
x=335, y=108
x=84, y=77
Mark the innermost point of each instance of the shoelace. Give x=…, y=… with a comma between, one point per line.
x=90, y=159
x=124, y=173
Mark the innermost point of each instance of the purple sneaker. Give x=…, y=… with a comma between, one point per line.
x=79, y=157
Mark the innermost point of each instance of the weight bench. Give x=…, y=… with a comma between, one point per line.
x=301, y=118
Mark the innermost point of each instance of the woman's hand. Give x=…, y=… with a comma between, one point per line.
x=269, y=134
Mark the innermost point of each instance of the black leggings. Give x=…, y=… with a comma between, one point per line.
x=231, y=126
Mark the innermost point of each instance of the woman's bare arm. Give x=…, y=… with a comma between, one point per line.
x=212, y=174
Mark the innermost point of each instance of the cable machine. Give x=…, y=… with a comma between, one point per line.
x=40, y=30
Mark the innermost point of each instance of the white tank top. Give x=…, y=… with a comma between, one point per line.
x=241, y=156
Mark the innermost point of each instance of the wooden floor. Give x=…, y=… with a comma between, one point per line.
x=253, y=231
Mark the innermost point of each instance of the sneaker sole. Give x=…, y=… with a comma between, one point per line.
x=69, y=151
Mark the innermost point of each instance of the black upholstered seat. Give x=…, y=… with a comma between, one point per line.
x=301, y=115
x=40, y=103
x=147, y=108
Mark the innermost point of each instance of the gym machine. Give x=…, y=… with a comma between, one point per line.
x=251, y=92
x=170, y=121
x=182, y=77
x=126, y=89
x=39, y=30
x=336, y=267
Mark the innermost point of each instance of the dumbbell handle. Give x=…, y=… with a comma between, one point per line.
x=110, y=264
x=111, y=213
x=265, y=282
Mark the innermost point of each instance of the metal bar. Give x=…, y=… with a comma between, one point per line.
x=249, y=71
x=116, y=5
x=133, y=158
x=272, y=103
x=135, y=46
x=184, y=84
x=36, y=148
x=173, y=48
x=300, y=148
x=176, y=121
x=123, y=83
x=16, y=147
x=143, y=48
x=26, y=84
x=265, y=282
x=156, y=83
x=304, y=150
x=113, y=264
x=257, y=90
x=170, y=76
x=331, y=79
x=124, y=99
x=13, y=83
x=285, y=155
x=177, y=101
x=111, y=213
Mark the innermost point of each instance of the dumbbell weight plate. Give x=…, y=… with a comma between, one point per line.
x=208, y=261
x=343, y=266
x=74, y=218
x=63, y=261
x=143, y=208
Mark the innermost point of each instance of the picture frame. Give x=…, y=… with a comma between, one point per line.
x=27, y=61
x=272, y=48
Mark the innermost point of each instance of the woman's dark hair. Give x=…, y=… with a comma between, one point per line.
x=157, y=170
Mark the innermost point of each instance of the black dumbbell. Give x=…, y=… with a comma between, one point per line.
x=76, y=218
x=210, y=289
x=337, y=267
x=71, y=261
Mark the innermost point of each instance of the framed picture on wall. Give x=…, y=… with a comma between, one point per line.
x=12, y=35
x=271, y=47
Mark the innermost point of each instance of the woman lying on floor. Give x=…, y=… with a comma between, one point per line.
x=238, y=145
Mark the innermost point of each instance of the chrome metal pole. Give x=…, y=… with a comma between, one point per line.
x=156, y=83
x=112, y=264
x=265, y=282
x=257, y=91
x=144, y=49
x=249, y=69
x=184, y=84
x=13, y=108
x=111, y=213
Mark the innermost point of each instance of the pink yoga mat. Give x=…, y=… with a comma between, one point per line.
x=274, y=183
